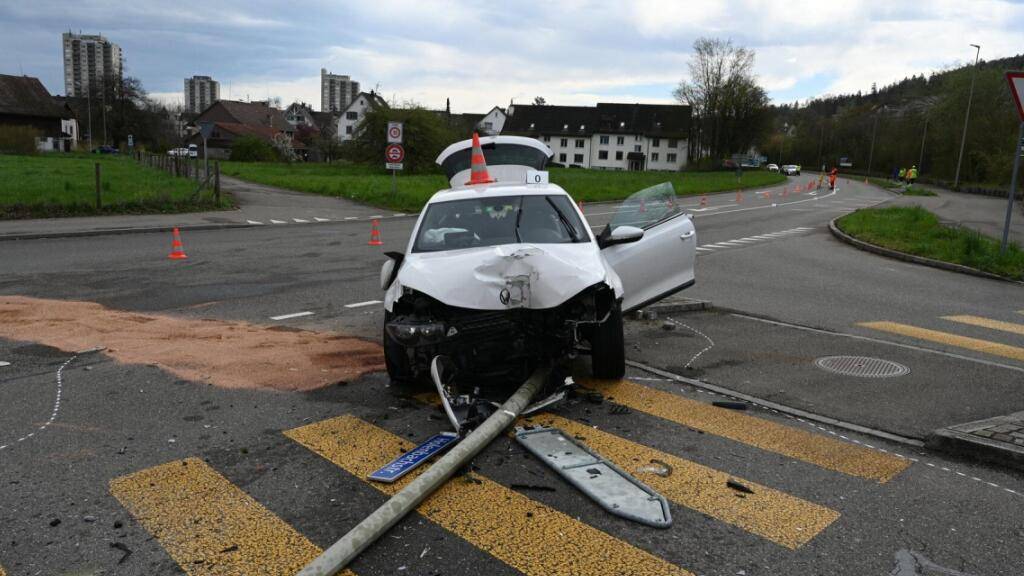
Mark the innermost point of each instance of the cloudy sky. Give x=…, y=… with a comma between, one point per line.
x=487, y=53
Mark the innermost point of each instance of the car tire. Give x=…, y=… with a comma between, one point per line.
x=396, y=360
x=608, y=349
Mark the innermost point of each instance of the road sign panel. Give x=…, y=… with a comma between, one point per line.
x=206, y=129
x=413, y=458
x=393, y=165
x=394, y=153
x=1016, y=80
x=395, y=132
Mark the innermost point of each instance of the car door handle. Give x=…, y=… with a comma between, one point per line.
x=688, y=235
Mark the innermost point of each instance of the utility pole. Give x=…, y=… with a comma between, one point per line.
x=1013, y=188
x=821, y=142
x=871, y=153
x=967, y=116
x=920, y=162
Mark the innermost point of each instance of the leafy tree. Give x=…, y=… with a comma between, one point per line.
x=539, y=101
x=253, y=149
x=425, y=135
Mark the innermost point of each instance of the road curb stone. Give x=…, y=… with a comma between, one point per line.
x=999, y=440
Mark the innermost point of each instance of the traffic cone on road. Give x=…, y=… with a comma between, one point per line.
x=739, y=197
x=785, y=191
x=177, y=250
x=703, y=200
x=478, y=166
x=375, y=234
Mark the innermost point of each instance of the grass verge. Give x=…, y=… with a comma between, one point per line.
x=917, y=231
x=373, y=186
x=54, y=185
x=897, y=187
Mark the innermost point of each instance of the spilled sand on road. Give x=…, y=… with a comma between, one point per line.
x=222, y=353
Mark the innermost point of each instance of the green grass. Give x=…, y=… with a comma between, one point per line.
x=896, y=186
x=915, y=191
x=917, y=231
x=64, y=185
x=373, y=186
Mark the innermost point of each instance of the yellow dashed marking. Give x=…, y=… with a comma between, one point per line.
x=2, y=573
x=527, y=535
x=792, y=442
x=209, y=525
x=779, y=517
x=975, y=344
x=988, y=323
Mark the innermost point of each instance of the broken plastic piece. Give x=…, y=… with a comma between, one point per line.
x=608, y=485
x=738, y=487
x=730, y=405
x=658, y=468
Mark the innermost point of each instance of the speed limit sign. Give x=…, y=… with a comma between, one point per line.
x=394, y=132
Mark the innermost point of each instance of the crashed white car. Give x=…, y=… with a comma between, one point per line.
x=502, y=270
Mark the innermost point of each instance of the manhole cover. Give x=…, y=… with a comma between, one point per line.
x=862, y=366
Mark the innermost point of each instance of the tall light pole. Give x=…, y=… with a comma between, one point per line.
x=871, y=153
x=920, y=162
x=967, y=116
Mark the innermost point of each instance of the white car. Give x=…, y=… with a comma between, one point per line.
x=501, y=275
x=791, y=170
x=193, y=151
x=773, y=167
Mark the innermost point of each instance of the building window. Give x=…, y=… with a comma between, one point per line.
x=579, y=142
x=348, y=129
x=604, y=139
x=618, y=155
x=637, y=137
x=656, y=142
x=565, y=126
x=547, y=138
x=620, y=140
x=564, y=143
x=578, y=158
x=488, y=125
x=654, y=156
x=602, y=154
x=673, y=143
x=561, y=157
x=671, y=158
x=351, y=115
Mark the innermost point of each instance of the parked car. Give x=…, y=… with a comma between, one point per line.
x=193, y=151
x=791, y=170
x=773, y=167
x=105, y=150
x=501, y=275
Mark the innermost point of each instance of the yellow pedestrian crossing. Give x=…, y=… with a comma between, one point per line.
x=815, y=449
x=208, y=525
x=974, y=344
x=1011, y=327
x=774, y=515
x=527, y=535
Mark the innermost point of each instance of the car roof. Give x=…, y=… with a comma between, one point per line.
x=494, y=190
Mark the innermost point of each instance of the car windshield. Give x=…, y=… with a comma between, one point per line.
x=495, y=220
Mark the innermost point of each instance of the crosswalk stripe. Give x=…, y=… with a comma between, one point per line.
x=2, y=573
x=764, y=434
x=975, y=344
x=526, y=535
x=208, y=525
x=988, y=323
x=777, y=516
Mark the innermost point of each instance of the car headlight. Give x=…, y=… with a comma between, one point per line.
x=422, y=333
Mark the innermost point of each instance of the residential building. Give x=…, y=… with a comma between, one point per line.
x=200, y=93
x=89, y=61
x=25, y=102
x=608, y=136
x=232, y=119
x=354, y=113
x=336, y=91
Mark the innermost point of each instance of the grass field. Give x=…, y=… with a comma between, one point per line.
x=373, y=186
x=895, y=186
x=917, y=231
x=64, y=185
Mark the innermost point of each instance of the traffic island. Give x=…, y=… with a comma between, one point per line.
x=998, y=440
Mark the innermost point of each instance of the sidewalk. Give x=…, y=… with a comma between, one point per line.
x=985, y=214
x=259, y=205
x=999, y=439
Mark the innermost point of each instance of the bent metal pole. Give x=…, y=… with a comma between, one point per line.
x=337, y=557
x=1013, y=188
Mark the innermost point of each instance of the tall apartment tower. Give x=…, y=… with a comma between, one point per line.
x=88, y=60
x=336, y=91
x=200, y=92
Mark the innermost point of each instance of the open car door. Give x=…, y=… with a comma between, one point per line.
x=661, y=262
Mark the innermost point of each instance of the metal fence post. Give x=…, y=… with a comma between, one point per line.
x=216, y=181
x=98, y=200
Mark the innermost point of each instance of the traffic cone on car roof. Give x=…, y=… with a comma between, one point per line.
x=375, y=234
x=177, y=250
x=478, y=166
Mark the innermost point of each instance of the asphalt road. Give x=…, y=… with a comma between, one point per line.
x=195, y=479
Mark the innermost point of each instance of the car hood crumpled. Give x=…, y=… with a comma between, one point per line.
x=536, y=276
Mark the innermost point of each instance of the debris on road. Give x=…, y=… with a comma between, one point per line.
x=412, y=459
x=55, y=522
x=659, y=468
x=730, y=405
x=738, y=486
x=619, y=409
x=3, y=363
x=668, y=326
x=120, y=546
x=536, y=487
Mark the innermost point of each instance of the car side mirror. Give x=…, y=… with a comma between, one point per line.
x=389, y=269
x=621, y=235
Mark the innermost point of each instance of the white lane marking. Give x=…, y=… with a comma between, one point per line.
x=397, y=214
x=730, y=243
x=361, y=304
x=377, y=216
x=294, y=315
x=703, y=249
x=318, y=219
x=715, y=246
x=3, y=363
x=711, y=343
x=300, y=221
x=272, y=221
x=56, y=405
x=255, y=222
x=351, y=217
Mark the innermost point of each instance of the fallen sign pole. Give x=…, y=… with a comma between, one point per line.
x=338, y=556
x=1016, y=82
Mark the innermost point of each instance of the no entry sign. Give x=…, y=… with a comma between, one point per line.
x=394, y=154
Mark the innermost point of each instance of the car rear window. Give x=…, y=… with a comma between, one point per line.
x=490, y=221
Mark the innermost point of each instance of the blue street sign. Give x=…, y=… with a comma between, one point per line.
x=413, y=458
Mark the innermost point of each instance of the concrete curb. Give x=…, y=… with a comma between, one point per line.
x=675, y=305
x=961, y=441
x=868, y=247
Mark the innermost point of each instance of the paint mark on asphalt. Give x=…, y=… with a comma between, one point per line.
x=989, y=323
x=974, y=344
x=293, y=315
x=361, y=304
x=56, y=406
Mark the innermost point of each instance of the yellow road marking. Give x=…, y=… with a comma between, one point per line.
x=209, y=525
x=527, y=535
x=988, y=323
x=2, y=573
x=976, y=344
x=779, y=517
x=792, y=442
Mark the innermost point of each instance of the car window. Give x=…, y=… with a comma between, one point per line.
x=647, y=208
x=497, y=155
x=498, y=220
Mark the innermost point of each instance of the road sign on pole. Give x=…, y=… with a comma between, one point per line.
x=394, y=154
x=1016, y=82
x=395, y=132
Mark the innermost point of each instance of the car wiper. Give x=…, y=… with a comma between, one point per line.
x=519, y=215
x=565, y=220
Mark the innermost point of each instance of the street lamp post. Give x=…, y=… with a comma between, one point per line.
x=871, y=153
x=920, y=161
x=967, y=116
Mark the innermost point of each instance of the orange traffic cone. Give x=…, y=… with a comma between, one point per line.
x=375, y=234
x=703, y=200
x=767, y=194
x=478, y=166
x=785, y=191
x=177, y=251
x=739, y=197
x=579, y=203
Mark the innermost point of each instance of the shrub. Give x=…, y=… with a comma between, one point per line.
x=252, y=149
x=18, y=140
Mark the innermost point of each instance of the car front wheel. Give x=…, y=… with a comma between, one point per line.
x=608, y=354
x=396, y=359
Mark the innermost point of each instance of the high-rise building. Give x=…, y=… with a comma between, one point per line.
x=336, y=91
x=200, y=93
x=89, y=59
